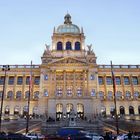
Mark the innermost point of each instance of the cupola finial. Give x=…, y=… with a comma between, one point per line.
x=67, y=19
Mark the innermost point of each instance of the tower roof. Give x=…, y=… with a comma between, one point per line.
x=68, y=27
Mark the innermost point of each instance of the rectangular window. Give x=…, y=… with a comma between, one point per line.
x=109, y=80
x=37, y=80
x=19, y=80
x=135, y=80
x=11, y=80
x=126, y=80
x=1, y=80
x=27, y=80
x=118, y=80
x=101, y=80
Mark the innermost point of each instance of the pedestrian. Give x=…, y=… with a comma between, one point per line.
x=110, y=135
x=129, y=135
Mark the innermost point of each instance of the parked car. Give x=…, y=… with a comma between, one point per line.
x=125, y=137
x=34, y=136
x=16, y=136
x=93, y=136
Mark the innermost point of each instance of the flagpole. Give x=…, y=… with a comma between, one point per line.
x=28, y=105
x=114, y=91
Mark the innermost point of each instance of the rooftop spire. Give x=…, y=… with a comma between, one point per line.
x=67, y=19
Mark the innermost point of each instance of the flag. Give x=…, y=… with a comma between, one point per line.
x=113, y=80
x=30, y=82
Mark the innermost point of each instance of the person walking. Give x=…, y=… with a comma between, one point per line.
x=129, y=135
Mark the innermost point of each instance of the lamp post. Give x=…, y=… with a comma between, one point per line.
x=30, y=91
x=114, y=91
x=5, y=68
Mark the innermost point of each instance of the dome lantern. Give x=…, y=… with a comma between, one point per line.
x=67, y=19
x=68, y=27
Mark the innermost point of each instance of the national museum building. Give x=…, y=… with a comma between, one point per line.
x=69, y=78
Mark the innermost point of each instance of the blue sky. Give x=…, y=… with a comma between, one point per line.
x=112, y=26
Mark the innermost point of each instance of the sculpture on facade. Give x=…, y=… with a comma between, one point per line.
x=90, y=51
x=47, y=50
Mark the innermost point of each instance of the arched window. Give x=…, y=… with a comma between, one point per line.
x=110, y=95
x=68, y=46
x=10, y=95
x=128, y=94
x=69, y=91
x=46, y=94
x=93, y=93
x=136, y=95
x=131, y=110
x=101, y=95
x=79, y=91
x=122, y=110
x=59, y=46
x=59, y=91
x=119, y=95
x=18, y=95
x=36, y=95
x=26, y=94
x=77, y=46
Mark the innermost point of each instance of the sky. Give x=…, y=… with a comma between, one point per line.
x=111, y=26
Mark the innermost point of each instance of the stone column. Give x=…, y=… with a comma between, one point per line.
x=74, y=83
x=132, y=87
x=64, y=89
x=105, y=86
x=122, y=84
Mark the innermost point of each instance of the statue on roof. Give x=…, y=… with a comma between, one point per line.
x=47, y=50
x=90, y=51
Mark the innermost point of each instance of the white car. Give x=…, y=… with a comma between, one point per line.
x=122, y=137
x=94, y=136
x=125, y=137
x=34, y=136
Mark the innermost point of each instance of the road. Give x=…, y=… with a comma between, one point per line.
x=99, y=126
x=19, y=126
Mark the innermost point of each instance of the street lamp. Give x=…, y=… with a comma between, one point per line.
x=114, y=91
x=5, y=68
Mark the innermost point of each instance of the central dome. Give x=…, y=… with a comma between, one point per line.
x=68, y=27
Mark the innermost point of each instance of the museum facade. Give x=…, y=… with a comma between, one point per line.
x=69, y=78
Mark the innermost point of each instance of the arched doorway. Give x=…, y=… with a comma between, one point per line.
x=25, y=111
x=59, y=111
x=122, y=110
x=69, y=107
x=80, y=111
x=131, y=110
x=16, y=110
x=103, y=111
x=112, y=111
x=35, y=112
x=7, y=110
